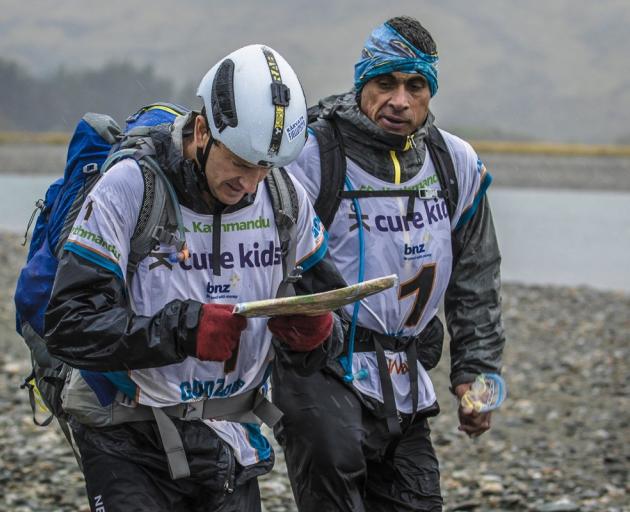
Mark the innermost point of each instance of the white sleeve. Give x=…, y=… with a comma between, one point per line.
x=472, y=178
x=106, y=222
x=312, y=239
x=307, y=168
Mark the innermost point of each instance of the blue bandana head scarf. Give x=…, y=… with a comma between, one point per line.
x=386, y=51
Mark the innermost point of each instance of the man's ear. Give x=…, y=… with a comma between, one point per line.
x=202, y=133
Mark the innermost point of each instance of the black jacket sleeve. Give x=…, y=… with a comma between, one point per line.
x=90, y=324
x=319, y=278
x=472, y=301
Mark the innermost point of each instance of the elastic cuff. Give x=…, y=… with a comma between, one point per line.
x=190, y=321
x=462, y=378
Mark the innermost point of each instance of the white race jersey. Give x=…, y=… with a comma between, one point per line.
x=251, y=269
x=418, y=249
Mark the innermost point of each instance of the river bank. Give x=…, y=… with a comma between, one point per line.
x=549, y=171
x=560, y=442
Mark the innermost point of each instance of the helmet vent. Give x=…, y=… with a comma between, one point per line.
x=223, y=104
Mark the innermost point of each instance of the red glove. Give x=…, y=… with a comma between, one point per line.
x=218, y=332
x=302, y=333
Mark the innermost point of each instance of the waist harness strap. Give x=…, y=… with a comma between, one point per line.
x=173, y=445
x=249, y=407
x=370, y=341
x=389, y=401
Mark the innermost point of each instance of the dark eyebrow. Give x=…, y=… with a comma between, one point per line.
x=417, y=78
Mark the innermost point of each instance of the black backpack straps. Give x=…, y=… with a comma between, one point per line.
x=159, y=218
x=438, y=150
x=285, y=209
x=332, y=158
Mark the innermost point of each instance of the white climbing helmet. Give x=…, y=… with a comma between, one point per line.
x=255, y=105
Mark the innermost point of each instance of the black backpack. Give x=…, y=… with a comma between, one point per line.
x=333, y=169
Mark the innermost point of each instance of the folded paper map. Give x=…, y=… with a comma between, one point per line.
x=316, y=303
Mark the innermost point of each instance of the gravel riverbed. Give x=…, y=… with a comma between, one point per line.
x=560, y=443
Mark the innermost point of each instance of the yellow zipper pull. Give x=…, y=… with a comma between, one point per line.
x=411, y=143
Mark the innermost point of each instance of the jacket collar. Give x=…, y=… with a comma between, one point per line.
x=361, y=129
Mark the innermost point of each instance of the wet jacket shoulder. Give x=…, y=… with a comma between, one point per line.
x=472, y=300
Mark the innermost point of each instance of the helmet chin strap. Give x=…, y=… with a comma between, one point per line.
x=202, y=156
x=200, y=167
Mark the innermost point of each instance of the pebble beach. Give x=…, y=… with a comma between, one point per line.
x=560, y=442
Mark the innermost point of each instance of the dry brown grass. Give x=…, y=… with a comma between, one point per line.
x=52, y=138
x=548, y=148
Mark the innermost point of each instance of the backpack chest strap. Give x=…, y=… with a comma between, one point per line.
x=411, y=194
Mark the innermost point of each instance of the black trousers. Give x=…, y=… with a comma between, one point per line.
x=126, y=470
x=340, y=456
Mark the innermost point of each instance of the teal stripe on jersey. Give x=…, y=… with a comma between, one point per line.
x=122, y=381
x=94, y=257
x=317, y=256
x=257, y=441
x=467, y=215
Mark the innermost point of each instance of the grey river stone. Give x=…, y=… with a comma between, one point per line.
x=561, y=434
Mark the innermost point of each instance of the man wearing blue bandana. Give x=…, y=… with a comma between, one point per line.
x=397, y=195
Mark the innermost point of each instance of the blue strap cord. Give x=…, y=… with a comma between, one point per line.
x=346, y=361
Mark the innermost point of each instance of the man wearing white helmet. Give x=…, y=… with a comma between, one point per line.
x=186, y=371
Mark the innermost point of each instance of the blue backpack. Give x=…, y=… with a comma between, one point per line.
x=94, y=147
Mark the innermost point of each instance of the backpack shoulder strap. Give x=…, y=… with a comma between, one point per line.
x=159, y=219
x=284, y=200
x=447, y=176
x=333, y=168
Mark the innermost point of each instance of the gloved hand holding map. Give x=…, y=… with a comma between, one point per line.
x=316, y=303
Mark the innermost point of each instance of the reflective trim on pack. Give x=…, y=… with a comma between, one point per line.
x=94, y=257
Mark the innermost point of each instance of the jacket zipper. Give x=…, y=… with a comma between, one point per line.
x=228, y=486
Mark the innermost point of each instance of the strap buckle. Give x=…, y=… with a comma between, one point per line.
x=192, y=411
x=166, y=236
x=429, y=193
x=295, y=275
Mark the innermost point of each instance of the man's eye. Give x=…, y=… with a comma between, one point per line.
x=417, y=86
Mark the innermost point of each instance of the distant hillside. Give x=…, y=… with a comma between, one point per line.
x=554, y=70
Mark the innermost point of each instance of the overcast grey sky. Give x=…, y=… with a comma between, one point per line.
x=555, y=69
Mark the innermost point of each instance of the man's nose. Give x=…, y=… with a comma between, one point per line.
x=399, y=98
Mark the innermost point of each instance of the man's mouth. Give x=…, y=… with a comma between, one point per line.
x=393, y=121
x=234, y=188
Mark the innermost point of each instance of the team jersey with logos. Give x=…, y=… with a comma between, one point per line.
x=251, y=269
x=417, y=249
